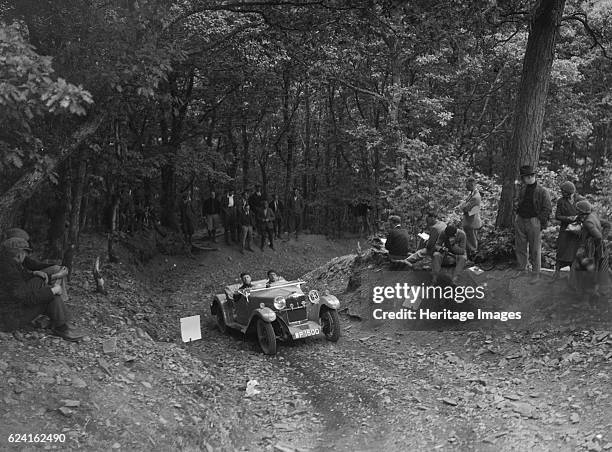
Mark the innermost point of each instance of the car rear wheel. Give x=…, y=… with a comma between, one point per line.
x=266, y=337
x=220, y=320
x=330, y=324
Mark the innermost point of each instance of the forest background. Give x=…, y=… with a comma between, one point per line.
x=113, y=110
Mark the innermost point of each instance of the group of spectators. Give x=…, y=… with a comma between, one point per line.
x=581, y=244
x=446, y=245
x=241, y=217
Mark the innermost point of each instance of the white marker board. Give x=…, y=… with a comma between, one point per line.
x=190, y=328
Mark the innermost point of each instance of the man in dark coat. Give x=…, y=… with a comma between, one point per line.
x=398, y=240
x=361, y=211
x=533, y=209
x=24, y=297
x=278, y=209
x=187, y=220
x=266, y=222
x=211, y=209
x=256, y=204
x=246, y=219
x=568, y=241
x=295, y=211
x=450, y=250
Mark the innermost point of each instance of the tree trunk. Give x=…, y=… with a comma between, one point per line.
x=531, y=101
x=77, y=200
x=168, y=198
x=27, y=185
x=57, y=213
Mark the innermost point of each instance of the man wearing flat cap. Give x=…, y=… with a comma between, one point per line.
x=533, y=209
x=24, y=297
x=398, y=240
x=47, y=271
x=568, y=240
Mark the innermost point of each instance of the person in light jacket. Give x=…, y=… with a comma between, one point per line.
x=471, y=222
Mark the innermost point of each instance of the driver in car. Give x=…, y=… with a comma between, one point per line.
x=273, y=278
x=246, y=285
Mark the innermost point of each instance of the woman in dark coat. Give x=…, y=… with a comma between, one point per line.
x=590, y=270
x=567, y=242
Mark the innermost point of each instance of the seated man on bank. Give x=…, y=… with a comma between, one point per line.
x=27, y=296
x=436, y=228
x=50, y=273
x=450, y=250
x=398, y=240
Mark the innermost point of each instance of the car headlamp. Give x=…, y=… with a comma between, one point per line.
x=280, y=303
x=313, y=296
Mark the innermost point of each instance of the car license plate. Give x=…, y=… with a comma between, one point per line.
x=306, y=333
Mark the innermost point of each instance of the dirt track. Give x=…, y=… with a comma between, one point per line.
x=381, y=387
x=387, y=388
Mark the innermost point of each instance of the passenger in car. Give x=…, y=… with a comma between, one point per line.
x=273, y=278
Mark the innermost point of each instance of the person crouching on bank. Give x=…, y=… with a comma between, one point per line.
x=398, y=240
x=451, y=250
x=25, y=297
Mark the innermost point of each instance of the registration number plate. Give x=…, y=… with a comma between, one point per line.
x=306, y=333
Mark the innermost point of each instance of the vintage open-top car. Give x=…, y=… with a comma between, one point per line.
x=282, y=311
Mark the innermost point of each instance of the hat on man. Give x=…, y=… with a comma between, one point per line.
x=584, y=206
x=526, y=170
x=395, y=219
x=568, y=187
x=16, y=232
x=16, y=243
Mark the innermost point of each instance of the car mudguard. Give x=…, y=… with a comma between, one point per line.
x=330, y=301
x=218, y=300
x=266, y=314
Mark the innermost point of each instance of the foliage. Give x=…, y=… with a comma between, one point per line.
x=29, y=90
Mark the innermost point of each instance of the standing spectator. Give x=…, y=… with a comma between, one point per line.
x=247, y=221
x=568, y=240
x=187, y=220
x=450, y=250
x=277, y=208
x=398, y=240
x=590, y=270
x=295, y=211
x=256, y=203
x=361, y=212
x=244, y=200
x=266, y=222
x=230, y=217
x=471, y=216
x=211, y=209
x=532, y=214
x=256, y=200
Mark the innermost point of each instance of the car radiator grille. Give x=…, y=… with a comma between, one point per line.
x=296, y=315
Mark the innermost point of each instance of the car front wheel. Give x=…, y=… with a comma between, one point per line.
x=330, y=324
x=266, y=337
